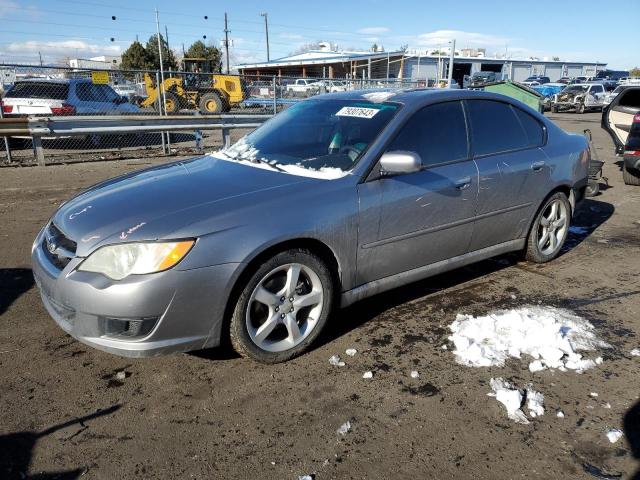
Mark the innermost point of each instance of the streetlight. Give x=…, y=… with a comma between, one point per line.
x=266, y=31
x=453, y=52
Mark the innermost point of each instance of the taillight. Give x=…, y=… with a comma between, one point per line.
x=636, y=118
x=6, y=108
x=65, y=109
x=632, y=153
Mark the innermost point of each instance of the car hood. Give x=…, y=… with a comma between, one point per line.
x=569, y=96
x=153, y=203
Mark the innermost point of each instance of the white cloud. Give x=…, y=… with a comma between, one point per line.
x=373, y=30
x=463, y=39
x=63, y=48
x=290, y=36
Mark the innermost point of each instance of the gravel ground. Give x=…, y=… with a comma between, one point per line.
x=68, y=409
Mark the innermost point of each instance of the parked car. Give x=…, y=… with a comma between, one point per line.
x=579, y=98
x=564, y=80
x=548, y=90
x=537, y=78
x=63, y=97
x=621, y=119
x=609, y=96
x=478, y=79
x=388, y=187
x=302, y=87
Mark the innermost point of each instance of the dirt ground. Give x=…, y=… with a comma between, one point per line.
x=65, y=411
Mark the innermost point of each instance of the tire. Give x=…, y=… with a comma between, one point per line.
x=630, y=177
x=580, y=108
x=281, y=339
x=593, y=188
x=211, y=103
x=540, y=250
x=554, y=109
x=171, y=103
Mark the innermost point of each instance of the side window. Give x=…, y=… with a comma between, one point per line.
x=495, y=127
x=437, y=133
x=84, y=92
x=531, y=126
x=597, y=89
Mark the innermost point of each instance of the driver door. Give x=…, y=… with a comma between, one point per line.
x=416, y=219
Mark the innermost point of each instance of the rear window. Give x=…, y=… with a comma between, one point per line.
x=495, y=128
x=630, y=98
x=54, y=91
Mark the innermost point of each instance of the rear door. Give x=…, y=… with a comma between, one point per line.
x=618, y=116
x=416, y=219
x=513, y=172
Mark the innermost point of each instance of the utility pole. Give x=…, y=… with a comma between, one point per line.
x=266, y=31
x=40, y=55
x=453, y=52
x=166, y=37
x=226, y=39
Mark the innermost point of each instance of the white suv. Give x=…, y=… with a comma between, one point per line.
x=63, y=97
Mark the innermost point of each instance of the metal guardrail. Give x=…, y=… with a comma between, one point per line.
x=63, y=126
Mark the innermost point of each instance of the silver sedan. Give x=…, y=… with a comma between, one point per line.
x=335, y=199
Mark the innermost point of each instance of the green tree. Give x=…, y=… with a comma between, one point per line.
x=199, y=50
x=168, y=58
x=556, y=59
x=136, y=57
x=374, y=47
x=635, y=72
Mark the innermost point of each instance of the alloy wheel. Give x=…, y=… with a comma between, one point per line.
x=284, y=307
x=552, y=228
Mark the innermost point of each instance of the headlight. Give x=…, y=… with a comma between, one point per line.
x=120, y=261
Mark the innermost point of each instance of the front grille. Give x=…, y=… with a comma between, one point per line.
x=58, y=248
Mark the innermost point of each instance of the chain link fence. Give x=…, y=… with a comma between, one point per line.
x=42, y=91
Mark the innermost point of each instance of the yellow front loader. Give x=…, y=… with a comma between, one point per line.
x=208, y=93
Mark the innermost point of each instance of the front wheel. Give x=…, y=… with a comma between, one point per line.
x=283, y=307
x=580, y=108
x=549, y=230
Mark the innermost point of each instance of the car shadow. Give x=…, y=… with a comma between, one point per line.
x=352, y=317
x=631, y=427
x=589, y=215
x=13, y=283
x=619, y=164
x=16, y=450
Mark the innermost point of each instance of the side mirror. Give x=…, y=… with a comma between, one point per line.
x=399, y=161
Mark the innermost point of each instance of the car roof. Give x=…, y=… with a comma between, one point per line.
x=412, y=95
x=63, y=81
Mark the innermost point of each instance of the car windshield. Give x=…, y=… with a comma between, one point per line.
x=315, y=134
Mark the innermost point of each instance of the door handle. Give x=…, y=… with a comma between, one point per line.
x=537, y=166
x=463, y=183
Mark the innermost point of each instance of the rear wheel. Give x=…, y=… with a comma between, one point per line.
x=283, y=307
x=580, y=108
x=549, y=230
x=211, y=103
x=630, y=177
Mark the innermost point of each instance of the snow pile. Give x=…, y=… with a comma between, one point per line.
x=614, y=435
x=335, y=361
x=513, y=399
x=552, y=336
x=344, y=428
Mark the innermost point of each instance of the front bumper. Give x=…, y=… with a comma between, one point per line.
x=141, y=315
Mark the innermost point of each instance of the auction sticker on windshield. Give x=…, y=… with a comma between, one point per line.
x=358, y=112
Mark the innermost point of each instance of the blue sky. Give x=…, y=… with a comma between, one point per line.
x=573, y=30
